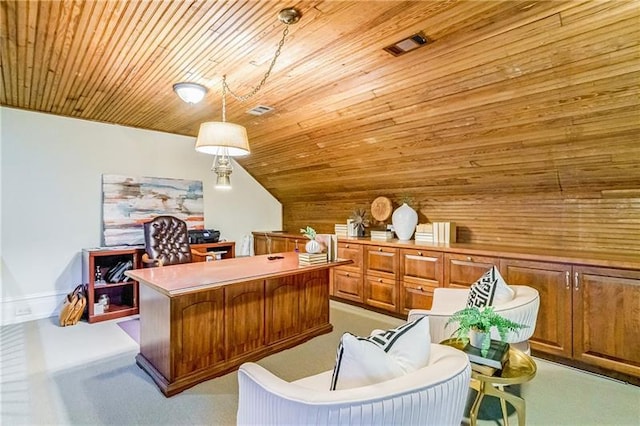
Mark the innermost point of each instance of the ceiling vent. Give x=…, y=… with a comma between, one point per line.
x=260, y=110
x=407, y=45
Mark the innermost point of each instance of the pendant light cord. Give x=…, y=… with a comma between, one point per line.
x=225, y=86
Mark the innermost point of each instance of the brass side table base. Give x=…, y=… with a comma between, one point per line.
x=520, y=368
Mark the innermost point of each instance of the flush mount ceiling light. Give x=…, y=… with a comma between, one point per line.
x=224, y=139
x=407, y=44
x=191, y=93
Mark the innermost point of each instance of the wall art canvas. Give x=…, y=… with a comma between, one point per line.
x=128, y=202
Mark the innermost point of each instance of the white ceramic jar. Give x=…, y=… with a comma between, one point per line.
x=405, y=220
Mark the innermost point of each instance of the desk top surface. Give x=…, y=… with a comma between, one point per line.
x=189, y=277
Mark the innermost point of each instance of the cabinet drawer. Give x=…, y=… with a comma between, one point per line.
x=463, y=270
x=348, y=285
x=413, y=296
x=420, y=266
x=381, y=260
x=381, y=293
x=351, y=252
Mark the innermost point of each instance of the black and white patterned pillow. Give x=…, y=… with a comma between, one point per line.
x=490, y=288
x=362, y=361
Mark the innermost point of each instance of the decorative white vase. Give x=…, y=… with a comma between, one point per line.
x=404, y=221
x=313, y=246
x=477, y=337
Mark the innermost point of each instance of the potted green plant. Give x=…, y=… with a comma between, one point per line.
x=312, y=246
x=475, y=324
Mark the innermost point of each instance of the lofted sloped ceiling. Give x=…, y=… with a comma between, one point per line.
x=509, y=99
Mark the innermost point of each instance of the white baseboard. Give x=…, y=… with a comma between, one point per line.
x=28, y=308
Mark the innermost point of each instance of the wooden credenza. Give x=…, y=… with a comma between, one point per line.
x=589, y=302
x=202, y=320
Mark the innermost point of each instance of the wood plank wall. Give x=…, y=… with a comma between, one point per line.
x=545, y=146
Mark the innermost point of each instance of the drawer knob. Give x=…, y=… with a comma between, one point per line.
x=379, y=280
x=419, y=253
x=469, y=258
x=346, y=245
x=420, y=288
x=380, y=249
x=348, y=274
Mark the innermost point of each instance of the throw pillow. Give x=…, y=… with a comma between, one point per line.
x=489, y=290
x=363, y=361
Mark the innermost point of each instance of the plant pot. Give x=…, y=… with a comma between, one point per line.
x=477, y=337
x=404, y=221
x=313, y=246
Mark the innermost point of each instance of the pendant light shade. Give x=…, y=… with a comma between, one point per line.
x=214, y=135
x=220, y=138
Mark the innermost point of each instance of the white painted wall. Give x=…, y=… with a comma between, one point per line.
x=51, y=199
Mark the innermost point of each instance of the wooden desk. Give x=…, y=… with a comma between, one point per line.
x=202, y=320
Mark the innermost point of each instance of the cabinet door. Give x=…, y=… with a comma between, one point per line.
x=353, y=252
x=415, y=296
x=463, y=270
x=244, y=318
x=260, y=244
x=282, y=308
x=606, y=318
x=381, y=293
x=348, y=285
x=278, y=244
x=314, y=302
x=552, y=280
x=421, y=267
x=198, y=330
x=382, y=261
x=421, y=272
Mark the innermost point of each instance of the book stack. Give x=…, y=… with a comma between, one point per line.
x=494, y=360
x=340, y=229
x=306, y=259
x=424, y=233
x=330, y=241
x=381, y=235
x=444, y=232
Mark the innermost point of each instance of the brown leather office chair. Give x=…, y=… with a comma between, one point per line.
x=167, y=242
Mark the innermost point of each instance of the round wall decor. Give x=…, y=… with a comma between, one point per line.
x=381, y=209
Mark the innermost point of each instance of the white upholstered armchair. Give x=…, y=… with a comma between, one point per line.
x=433, y=395
x=523, y=308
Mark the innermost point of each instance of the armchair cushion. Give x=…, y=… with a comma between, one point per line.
x=490, y=289
x=382, y=356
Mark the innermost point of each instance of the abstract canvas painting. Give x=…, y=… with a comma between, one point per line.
x=128, y=202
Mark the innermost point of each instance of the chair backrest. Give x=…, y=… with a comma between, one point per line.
x=166, y=239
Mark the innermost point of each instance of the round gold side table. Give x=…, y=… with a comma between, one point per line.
x=520, y=368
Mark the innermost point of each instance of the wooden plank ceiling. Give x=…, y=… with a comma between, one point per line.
x=521, y=109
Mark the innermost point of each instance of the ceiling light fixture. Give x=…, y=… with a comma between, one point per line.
x=225, y=140
x=191, y=93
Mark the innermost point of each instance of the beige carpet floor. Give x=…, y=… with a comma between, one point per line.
x=86, y=375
